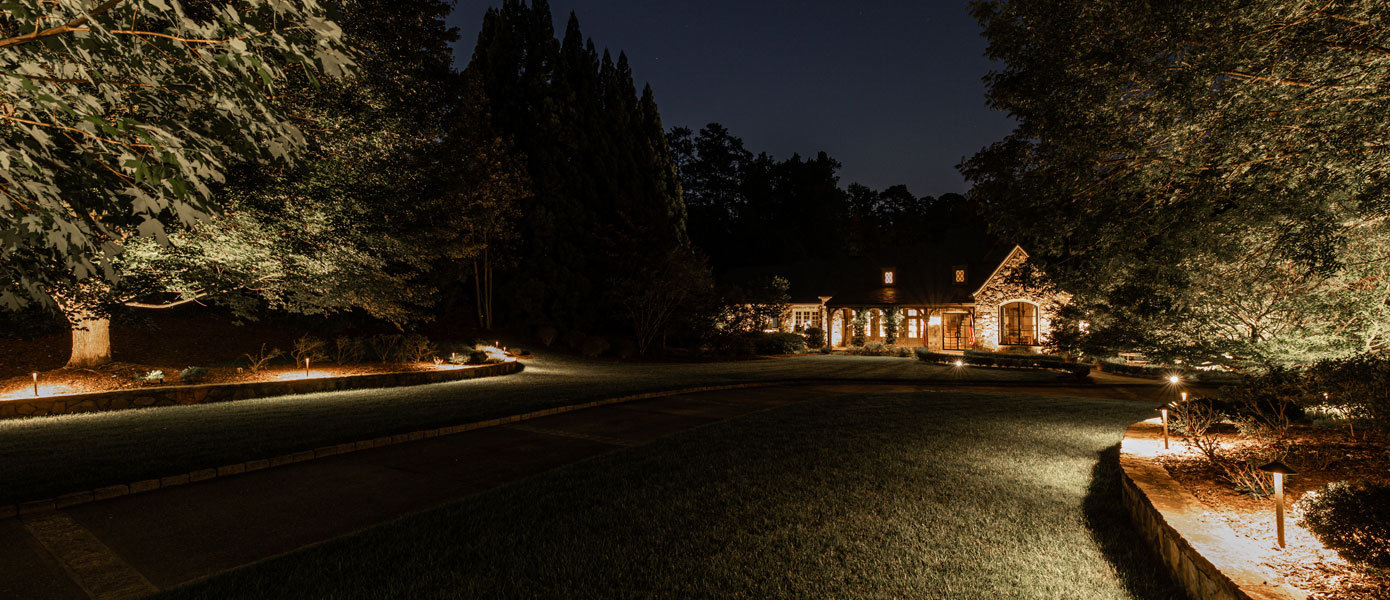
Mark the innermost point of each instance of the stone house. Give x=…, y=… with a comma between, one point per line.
x=946, y=299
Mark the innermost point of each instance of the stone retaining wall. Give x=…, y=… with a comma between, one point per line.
x=226, y=392
x=1169, y=518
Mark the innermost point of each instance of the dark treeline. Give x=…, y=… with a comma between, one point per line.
x=752, y=210
x=606, y=208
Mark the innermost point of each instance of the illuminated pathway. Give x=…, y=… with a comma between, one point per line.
x=130, y=546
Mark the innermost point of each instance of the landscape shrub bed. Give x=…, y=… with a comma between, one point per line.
x=997, y=359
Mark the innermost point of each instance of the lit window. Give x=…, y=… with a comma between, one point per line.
x=887, y=278
x=1020, y=324
x=960, y=275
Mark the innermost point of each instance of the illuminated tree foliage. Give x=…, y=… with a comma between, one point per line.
x=119, y=117
x=1204, y=176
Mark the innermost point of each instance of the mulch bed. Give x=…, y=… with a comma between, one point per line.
x=1322, y=456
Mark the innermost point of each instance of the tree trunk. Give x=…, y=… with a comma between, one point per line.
x=91, y=341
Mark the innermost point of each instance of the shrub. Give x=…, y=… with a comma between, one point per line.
x=574, y=340
x=1351, y=519
x=815, y=337
x=624, y=349
x=737, y=345
x=779, y=343
x=383, y=345
x=1359, y=386
x=861, y=323
x=155, y=376
x=414, y=348
x=257, y=362
x=193, y=374
x=1266, y=405
x=477, y=357
x=594, y=346
x=347, y=349
x=826, y=350
x=307, y=346
x=925, y=355
x=904, y=352
x=547, y=335
x=874, y=349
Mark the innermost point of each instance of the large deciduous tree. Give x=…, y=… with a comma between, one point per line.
x=119, y=117
x=1202, y=175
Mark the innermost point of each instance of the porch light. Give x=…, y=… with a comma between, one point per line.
x=1278, y=470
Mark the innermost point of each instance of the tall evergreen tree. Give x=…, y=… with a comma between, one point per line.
x=605, y=190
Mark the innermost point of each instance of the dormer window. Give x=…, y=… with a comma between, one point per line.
x=889, y=277
x=958, y=274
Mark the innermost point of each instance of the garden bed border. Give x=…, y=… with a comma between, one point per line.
x=176, y=395
x=1168, y=518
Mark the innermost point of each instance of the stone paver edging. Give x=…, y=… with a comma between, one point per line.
x=1169, y=518
x=149, y=485
x=175, y=395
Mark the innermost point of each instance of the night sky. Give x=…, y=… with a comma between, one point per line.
x=890, y=88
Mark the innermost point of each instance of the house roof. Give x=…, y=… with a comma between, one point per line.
x=923, y=275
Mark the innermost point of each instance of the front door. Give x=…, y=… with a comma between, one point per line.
x=955, y=331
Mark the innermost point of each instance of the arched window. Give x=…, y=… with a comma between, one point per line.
x=1019, y=324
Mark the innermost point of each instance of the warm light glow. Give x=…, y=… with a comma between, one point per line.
x=888, y=277
x=934, y=320
x=36, y=384
x=39, y=390
x=1184, y=396
x=960, y=363
x=1173, y=379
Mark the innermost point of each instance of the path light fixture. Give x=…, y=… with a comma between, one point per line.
x=36, y=384
x=1184, y=396
x=1174, y=379
x=1278, y=470
x=959, y=363
x=306, y=367
x=1163, y=411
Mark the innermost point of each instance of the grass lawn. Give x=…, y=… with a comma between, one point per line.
x=47, y=456
x=923, y=495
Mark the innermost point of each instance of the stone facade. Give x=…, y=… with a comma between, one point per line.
x=1007, y=285
x=226, y=392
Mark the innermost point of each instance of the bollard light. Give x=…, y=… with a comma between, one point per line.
x=1184, y=396
x=1278, y=470
x=1174, y=379
x=36, y=384
x=306, y=367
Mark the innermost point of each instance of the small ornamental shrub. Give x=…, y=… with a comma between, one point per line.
x=310, y=347
x=925, y=355
x=257, y=362
x=904, y=352
x=815, y=337
x=874, y=349
x=826, y=350
x=414, y=348
x=861, y=323
x=574, y=340
x=155, y=376
x=547, y=335
x=347, y=350
x=594, y=346
x=477, y=357
x=193, y=374
x=1353, y=519
x=1359, y=386
x=384, y=346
